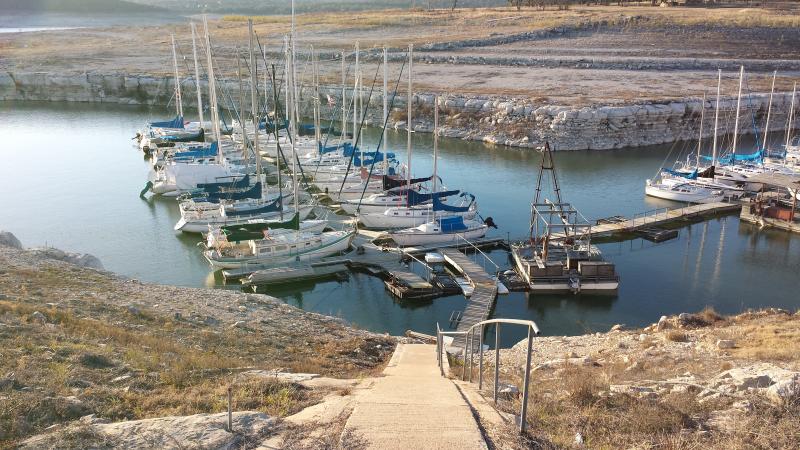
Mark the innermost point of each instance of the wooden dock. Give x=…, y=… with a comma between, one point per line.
x=658, y=217
x=480, y=303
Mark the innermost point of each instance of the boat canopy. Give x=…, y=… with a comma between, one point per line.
x=438, y=205
x=275, y=206
x=250, y=231
x=200, y=152
x=452, y=224
x=416, y=198
x=177, y=122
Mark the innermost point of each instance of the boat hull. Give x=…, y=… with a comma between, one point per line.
x=421, y=238
x=339, y=245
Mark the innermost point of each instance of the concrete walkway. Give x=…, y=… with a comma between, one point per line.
x=413, y=407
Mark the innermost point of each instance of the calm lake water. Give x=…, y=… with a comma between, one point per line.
x=71, y=175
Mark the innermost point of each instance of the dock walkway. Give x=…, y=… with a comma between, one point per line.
x=659, y=217
x=480, y=303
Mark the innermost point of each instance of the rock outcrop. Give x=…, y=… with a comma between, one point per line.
x=9, y=240
x=178, y=432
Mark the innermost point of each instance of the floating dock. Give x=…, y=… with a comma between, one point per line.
x=481, y=302
x=657, y=217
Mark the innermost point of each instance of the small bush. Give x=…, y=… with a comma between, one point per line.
x=95, y=361
x=677, y=336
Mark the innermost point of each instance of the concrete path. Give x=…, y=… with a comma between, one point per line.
x=413, y=407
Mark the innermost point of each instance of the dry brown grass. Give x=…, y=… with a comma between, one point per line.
x=677, y=336
x=771, y=341
x=124, y=365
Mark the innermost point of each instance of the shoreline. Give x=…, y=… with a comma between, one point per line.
x=493, y=119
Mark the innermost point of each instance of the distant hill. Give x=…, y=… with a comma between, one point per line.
x=301, y=6
x=77, y=7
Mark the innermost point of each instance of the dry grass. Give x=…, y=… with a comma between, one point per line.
x=677, y=336
x=123, y=365
x=577, y=400
x=771, y=341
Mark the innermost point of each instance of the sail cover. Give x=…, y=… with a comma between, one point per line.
x=438, y=205
x=390, y=182
x=452, y=224
x=254, y=193
x=275, y=206
x=728, y=159
x=234, y=183
x=416, y=198
x=177, y=122
x=250, y=231
x=688, y=175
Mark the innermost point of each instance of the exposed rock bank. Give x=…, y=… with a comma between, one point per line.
x=510, y=121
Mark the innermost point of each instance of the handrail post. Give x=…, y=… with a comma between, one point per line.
x=496, y=359
x=471, y=350
x=524, y=412
x=480, y=360
x=464, y=366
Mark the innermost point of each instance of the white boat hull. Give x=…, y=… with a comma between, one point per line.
x=341, y=244
x=405, y=239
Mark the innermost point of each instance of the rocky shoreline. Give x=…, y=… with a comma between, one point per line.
x=509, y=121
x=89, y=358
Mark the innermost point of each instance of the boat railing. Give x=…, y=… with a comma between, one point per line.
x=651, y=213
x=469, y=351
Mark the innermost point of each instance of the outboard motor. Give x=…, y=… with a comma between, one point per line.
x=490, y=222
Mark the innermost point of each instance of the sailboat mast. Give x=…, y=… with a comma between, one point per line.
x=212, y=92
x=385, y=107
x=738, y=106
x=409, y=100
x=355, y=100
x=344, y=101
x=716, y=120
x=290, y=100
x=791, y=118
x=435, y=141
x=197, y=75
x=315, y=72
x=178, y=101
x=769, y=108
x=700, y=138
x=254, y=99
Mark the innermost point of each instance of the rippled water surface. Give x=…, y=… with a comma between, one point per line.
x=70, y=178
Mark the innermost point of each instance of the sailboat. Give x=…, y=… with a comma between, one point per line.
x=444, y=228
x=174, y=178
x=283, y=247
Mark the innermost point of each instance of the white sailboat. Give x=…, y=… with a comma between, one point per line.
x=442, y=229
x=285, y=246
x=682, y=192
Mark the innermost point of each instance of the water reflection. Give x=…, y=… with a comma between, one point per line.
x=88, y=176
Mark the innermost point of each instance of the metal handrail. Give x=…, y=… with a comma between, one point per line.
x=469, y=343
x=485, y=256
